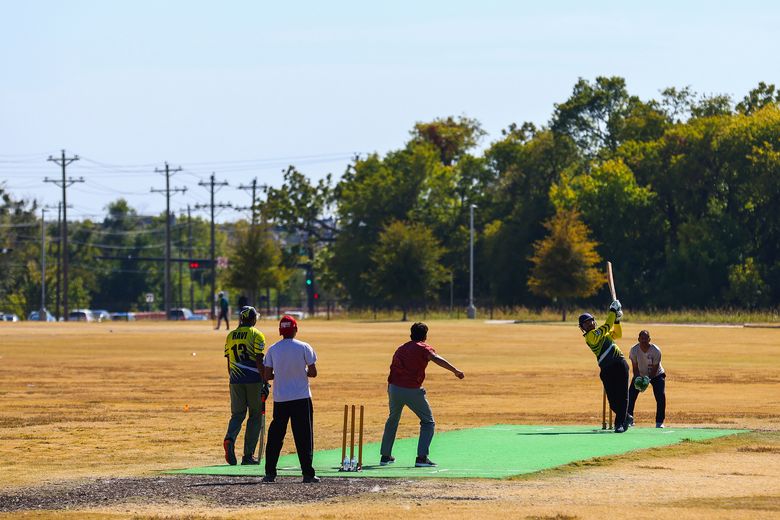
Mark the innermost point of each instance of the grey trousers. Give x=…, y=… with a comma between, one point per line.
x=243, y=397
x=415, y=399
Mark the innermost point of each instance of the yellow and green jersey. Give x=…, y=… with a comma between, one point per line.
x=243, y=348
x=601, y=340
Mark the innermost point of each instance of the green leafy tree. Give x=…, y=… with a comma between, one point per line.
x=19, y=282
x=564, y=262
x=746, y=286
x=255, y=260
x=524, y=165
x=594, y=115
x=625, y=219
x=676, y=103
x=451, y=137
x=406, y=268
x=712, y=105
x=376, y=191
x=758, y=98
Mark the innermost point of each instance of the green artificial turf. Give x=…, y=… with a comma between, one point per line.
x=498, y=451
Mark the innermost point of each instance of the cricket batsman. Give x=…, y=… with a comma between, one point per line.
x=612, y=363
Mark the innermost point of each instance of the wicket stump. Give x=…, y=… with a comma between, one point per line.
x=351, y=463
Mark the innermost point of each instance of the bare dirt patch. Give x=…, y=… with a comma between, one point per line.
x=182, y=491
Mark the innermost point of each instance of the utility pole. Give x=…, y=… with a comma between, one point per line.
x=59, y=257
x=212, y=184
x=42, y=312
x=168, y=171
x=64, y=183
x=253, y=187
x=254, y=205
x=180, y=234
x=189, y=249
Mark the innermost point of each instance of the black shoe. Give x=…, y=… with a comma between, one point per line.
x=629, y=421
x=230, y=454
x=423, y=462
x=311, y=480
x=620, y=429
x=268, y=479
x=386, y=459
x=249, y=461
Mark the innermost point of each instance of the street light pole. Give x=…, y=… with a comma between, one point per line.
x=471, y=312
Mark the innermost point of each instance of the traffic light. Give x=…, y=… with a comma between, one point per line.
x=308, y=280
x=316, y=296
x=194, y=265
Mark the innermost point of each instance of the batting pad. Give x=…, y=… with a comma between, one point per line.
x=498, y=451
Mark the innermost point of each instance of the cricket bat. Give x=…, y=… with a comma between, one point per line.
x=611, y=281
x=613, y=293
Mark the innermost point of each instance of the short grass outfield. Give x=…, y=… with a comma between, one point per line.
x=498, y=451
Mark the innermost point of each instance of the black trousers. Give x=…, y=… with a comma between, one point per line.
x=614, y=376
x=300, y=413
x=659, y=391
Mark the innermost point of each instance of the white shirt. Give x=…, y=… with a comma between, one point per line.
x=289, y=359
x=647, y=361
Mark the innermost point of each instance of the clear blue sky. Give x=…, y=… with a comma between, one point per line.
x=243, y=88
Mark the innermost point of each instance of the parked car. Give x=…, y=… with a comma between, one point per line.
x=101, y=315
x=81, y=315
x=9, y=316
x=184, y=314
x=35, y=316
x=123, y=316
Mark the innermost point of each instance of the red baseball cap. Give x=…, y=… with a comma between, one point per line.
x=288, y=326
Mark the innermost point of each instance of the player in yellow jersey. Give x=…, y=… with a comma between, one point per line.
x=244, y=348
x=613, y=365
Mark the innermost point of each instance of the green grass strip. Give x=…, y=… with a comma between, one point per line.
x=498, y=451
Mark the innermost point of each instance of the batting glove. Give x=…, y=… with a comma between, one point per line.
x=615, y=306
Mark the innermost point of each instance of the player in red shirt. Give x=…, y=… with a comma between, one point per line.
x=407, y=373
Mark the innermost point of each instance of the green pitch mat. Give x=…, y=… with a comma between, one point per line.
x=498, y=451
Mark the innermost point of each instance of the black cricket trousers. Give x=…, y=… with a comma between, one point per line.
x=300, y=414
x=614, y=376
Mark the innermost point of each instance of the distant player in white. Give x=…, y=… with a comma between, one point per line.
x=646, y=360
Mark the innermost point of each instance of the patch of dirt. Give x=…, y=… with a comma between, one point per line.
x=759, y=449
x=180, y=490
x=753, y=503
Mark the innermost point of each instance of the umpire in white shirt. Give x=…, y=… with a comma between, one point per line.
x=290, y=363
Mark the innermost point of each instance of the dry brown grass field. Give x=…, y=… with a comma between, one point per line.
x=87, y=401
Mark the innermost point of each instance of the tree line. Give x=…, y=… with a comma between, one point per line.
x=681, y=193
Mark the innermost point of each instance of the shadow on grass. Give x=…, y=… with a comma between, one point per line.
x=594, y=432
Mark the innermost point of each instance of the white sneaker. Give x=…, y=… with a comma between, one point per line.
x=659, y=425
x=620, y=429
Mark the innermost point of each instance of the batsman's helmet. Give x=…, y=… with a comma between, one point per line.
x=585, y=317
x=247, y=315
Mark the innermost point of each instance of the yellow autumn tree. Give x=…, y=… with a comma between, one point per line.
x=564, y=262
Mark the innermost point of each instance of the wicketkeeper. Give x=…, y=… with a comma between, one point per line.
x=613, y=365
x=646, y=361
